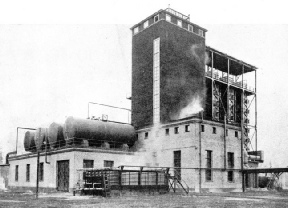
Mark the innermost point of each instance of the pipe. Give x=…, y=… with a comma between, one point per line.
x=110, y=106
x=37, y=177
x=46, y=148
x=225, y=129
x=7, y=156
x=200, y=154
x=242, y=135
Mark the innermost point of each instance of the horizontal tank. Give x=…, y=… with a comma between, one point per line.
x=29, y=141
x=96, y=130
x=55, y=135
x=41, y=135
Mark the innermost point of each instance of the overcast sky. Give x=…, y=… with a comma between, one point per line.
x=57, y=56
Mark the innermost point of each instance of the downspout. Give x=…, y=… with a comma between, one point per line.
x=225, y=129
x=200, y=154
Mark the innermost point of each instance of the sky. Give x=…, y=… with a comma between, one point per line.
x=56, y=56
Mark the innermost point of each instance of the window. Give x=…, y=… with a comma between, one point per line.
x=214, y=130
x=28, y=172
x=230, y=173
x=202, y=128
x=167, y=131
x=179, y=23
x=156, y=18
x=146, y=24
x=108, y=164
x=146, y=135
x=208, y=172
x=88, y=163
x=201, y=33
x=236, y=134
x=226, y=132
x=187, y=128
x=190, y=28
x=176, y=130
x=168, y=18
x=230, y=176
x=136, y=30
x=41, y=171
x=16, y=172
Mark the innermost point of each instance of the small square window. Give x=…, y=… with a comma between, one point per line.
x=156, y=18
x=136, y=30
x=168, y=18
x=236, y=134
x=202, y=128
x=146, y=24
x=190, y=28
x=167, y=131
x=176, y=130
x=201, y=33
x=187, y=128
x=146, y=135
x=108, y=164
x=179, y=23
x=214, y=130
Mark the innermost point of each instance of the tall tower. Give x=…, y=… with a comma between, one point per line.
x=168, y=68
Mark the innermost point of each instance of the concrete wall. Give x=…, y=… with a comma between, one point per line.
x=50, y=170
x=188, y=143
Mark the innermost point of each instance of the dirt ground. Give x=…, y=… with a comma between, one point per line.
x=247, y=199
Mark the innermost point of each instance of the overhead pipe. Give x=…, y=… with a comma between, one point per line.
x=110, y=106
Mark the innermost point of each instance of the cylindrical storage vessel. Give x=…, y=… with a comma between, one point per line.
x=55, y=135
x=98, y=131
x=41, y=136
x=29, y=141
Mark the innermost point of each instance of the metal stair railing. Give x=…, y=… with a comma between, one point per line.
x=177, y=181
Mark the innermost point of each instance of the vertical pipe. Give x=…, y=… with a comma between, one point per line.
x=225, y=129
x=200, y=153
x=228, y=93
x=242, y=132
x=212, y=87
x=256, y=142
x=37, y=174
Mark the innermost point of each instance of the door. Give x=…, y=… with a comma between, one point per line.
x=63, y=175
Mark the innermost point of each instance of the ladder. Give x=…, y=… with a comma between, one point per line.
x=177, y=181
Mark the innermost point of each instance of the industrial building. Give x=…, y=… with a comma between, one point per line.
x=190, y=115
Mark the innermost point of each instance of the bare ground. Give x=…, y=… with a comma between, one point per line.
x=215, y=200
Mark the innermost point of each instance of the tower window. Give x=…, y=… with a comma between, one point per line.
x=214, y=130
x=168, y=18
x=176, y=130
x=146, y=135
x=187, y=128
x=230, y=173
x=136, y=30
x=167, y=131
x=179, y=23
x=146, y=24
x=236, y=134
x=201, y=33
x=190, y=28
x=156, y=18
x=202, y=128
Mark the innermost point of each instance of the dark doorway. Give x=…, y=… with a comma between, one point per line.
x=177, y=164
x=63, y=175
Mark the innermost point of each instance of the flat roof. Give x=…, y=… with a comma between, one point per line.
x=220, y=62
